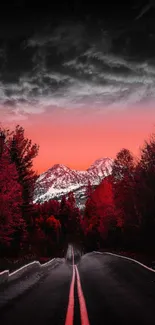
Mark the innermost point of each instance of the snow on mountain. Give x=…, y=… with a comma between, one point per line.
x=60, y=180
x=100, y=168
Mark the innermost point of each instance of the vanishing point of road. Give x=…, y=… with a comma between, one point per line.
x=93, y=289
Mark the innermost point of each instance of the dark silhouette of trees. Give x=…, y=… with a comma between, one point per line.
x=70, y=218
x=145, y=192
x=120, y=212
x=47, y=209
x=74, y=215
x=53, y=228
x=89, y=207
x=63, y=215
x=125, y=199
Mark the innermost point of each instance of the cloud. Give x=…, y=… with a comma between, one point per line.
x=70, y=67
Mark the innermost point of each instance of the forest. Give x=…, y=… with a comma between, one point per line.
x=119, y=213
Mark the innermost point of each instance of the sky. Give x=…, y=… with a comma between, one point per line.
x=83, y=87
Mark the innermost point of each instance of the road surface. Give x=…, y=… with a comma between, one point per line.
x=94, y=289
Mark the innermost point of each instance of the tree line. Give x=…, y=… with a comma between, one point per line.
x=25, y=227
x=119, y=213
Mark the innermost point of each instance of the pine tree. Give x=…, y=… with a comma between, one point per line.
x=124, y=184
x=63, y=215
x=145, y=191
x=22, y=153
x=124, y=169
x=73, y=226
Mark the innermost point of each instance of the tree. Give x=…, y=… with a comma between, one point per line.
x=22, y=153
x=63, y=214
x=74, y=220
x=12, y=225
x=103, y=198
x=53, y=228
x=70, y=219
x=123, y=165
x=71, y=200
x=99, y=214
x=124, y=168
x=145, y=189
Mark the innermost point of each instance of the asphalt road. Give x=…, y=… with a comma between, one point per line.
x=115, y=290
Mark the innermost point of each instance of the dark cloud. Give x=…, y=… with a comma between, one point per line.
x=74, y=64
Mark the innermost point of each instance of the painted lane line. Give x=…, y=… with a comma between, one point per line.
x=70, y=309
x=82, y=303
x=83, y=308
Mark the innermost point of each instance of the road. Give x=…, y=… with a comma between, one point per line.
x=92, y=289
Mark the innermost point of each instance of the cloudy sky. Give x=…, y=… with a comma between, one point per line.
x=82, y=88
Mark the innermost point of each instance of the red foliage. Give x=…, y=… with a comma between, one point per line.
x=100, y=208
x=47, y=208
x=12, y=225
x=52, y=222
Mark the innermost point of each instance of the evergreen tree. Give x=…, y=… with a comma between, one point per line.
x=125, y=195
x=22, y=153
x=145, y=189
x=63, y=216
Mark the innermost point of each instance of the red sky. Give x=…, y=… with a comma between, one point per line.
x=77, y=139
x=80, y=93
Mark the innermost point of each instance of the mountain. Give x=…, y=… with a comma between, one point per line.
x=60, y=180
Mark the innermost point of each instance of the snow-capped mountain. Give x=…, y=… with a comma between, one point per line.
x=60, y=180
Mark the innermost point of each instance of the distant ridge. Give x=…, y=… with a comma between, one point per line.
x=59, y=180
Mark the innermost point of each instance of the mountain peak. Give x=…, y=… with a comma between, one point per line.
x=60, y=180
x=101, y=163
x=60, y=166
x=102, y=160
